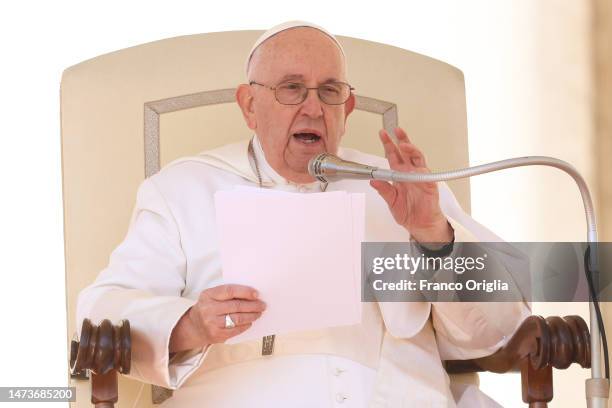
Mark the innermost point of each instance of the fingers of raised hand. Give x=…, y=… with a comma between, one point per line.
x=392, y=153
x=401, y=135
x=404, y=155
x=412, y=155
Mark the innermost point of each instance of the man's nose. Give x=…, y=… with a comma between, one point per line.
x=312, y=105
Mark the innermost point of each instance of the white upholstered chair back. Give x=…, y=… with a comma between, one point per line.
x=125, y=114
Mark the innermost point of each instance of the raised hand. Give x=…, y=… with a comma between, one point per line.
x=415, y=206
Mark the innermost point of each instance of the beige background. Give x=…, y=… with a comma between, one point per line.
x=558, y=104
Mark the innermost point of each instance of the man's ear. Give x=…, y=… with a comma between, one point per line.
x=349, y=106
x=244, y=97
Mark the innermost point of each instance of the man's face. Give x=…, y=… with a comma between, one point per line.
x=292, y=134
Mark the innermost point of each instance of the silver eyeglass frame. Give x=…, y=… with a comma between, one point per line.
x=274, y=88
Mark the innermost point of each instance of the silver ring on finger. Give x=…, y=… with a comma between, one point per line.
x=229, y=323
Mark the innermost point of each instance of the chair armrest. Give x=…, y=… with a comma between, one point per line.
x=538, y=345
x=553, y=341
x=104, y=350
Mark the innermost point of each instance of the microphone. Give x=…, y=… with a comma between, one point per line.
x=326, y=167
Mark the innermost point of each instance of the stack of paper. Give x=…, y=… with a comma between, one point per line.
x=300, y=251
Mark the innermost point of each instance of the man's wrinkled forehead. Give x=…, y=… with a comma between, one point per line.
x=294, y=41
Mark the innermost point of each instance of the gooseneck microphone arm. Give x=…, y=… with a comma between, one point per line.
x=327, y=167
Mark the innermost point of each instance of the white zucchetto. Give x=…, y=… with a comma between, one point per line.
x=287, y=26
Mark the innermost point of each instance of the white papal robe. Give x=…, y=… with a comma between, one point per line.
x=392, y=359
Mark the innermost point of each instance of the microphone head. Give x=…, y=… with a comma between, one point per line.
x=327, y=167
x=316, y=163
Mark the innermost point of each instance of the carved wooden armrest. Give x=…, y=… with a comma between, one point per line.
x=103, y=350
x=538, y=345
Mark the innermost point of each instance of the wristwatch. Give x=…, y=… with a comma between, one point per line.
x=440, y=252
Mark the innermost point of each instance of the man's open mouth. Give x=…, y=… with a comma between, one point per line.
x=307, y=137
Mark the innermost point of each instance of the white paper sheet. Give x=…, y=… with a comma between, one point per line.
x=300, y=251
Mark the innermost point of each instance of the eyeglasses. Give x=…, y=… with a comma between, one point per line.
x=294, y=93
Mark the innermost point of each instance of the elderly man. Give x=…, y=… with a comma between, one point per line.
x=166, y=276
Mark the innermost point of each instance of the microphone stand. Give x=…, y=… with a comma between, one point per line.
x=328, y=167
